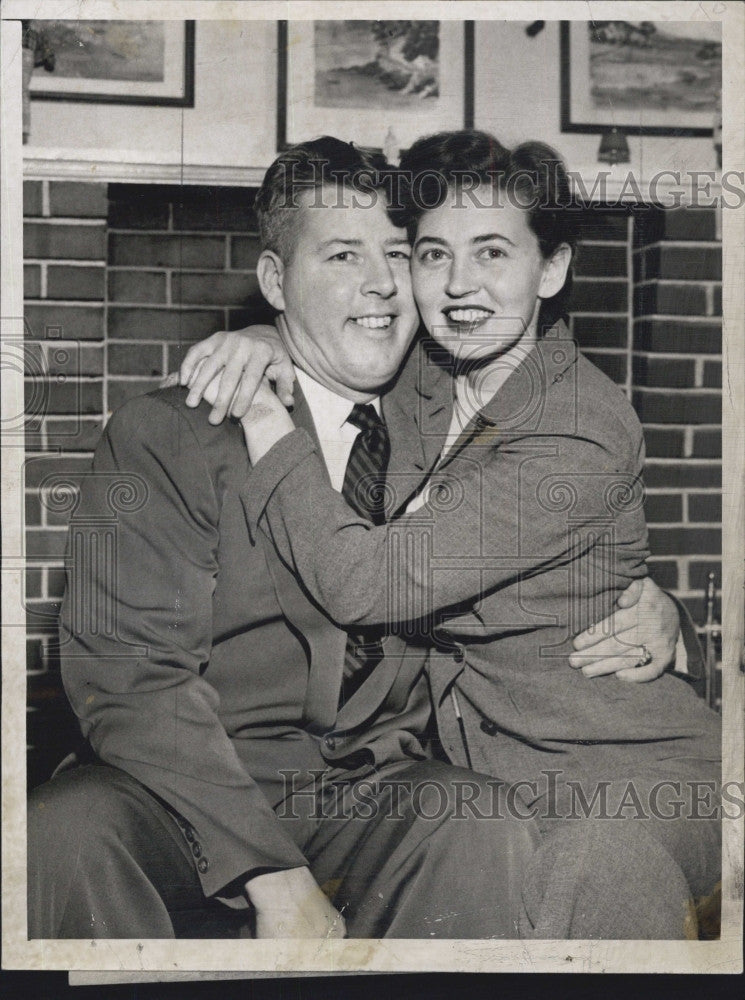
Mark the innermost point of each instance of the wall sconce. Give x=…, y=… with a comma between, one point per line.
x=614, y=147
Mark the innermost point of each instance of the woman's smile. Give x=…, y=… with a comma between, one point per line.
x=470, y=316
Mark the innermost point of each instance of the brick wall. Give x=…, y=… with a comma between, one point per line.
x=181, y=265
x=647, y=309
x=119, y=279
x=64, y=286
x=677, y=383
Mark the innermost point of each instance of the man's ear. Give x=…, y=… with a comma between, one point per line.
x=555, y=271
x=270, y=272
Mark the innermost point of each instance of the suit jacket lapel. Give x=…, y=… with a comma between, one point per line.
x=326, y=642
x=417, y=412
x=435, y=389
x=527, y=401
x=302, y=417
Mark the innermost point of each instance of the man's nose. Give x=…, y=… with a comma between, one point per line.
x=461, y=280
x=379, y=279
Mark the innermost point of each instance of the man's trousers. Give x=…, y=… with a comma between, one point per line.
x=415, y=850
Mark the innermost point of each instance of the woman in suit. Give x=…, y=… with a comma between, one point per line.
x=528, y=530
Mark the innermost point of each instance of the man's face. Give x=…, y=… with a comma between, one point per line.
x=346, y=293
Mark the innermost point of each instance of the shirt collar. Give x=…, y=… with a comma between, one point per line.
x=326, y=405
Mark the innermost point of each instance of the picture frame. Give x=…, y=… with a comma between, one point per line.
x=643, y=78
x=330, y=80
x=118, y=62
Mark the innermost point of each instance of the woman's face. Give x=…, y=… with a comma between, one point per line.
x=479, y=275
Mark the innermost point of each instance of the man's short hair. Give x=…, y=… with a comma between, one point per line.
x=309, y=166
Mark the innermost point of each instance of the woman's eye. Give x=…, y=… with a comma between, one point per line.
x=431, y=256
x=492, y=253
x=399, y=255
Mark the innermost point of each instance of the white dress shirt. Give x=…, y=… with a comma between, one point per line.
x=330, y=411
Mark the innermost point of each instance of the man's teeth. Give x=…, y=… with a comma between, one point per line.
x=468, y=315
x=374, y=322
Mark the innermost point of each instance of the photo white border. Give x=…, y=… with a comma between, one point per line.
x=277, y=957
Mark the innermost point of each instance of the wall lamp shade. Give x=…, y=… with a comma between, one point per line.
x=535, y=28
x=614, y=147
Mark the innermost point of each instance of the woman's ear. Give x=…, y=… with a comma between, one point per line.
x=555, y=271
x=270, y=272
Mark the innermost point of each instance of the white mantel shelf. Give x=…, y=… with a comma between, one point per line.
x=44, y=164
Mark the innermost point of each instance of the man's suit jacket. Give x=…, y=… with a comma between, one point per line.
x=215, y=668
x=533, y=527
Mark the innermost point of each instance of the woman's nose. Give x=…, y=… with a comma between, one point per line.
x=460, y=280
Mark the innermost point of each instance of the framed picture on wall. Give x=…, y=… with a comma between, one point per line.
x=375, y=83
x=646, y=77
x=117, y=62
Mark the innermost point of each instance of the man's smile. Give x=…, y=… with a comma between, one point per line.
x=374, y=321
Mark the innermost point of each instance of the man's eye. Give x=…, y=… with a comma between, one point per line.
x=399, y=255
x=430, y=256
x=493, y=253
x=342, y=255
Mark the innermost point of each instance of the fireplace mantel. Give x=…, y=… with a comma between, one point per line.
x=124, y=167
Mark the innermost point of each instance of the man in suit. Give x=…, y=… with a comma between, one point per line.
x=240, y=750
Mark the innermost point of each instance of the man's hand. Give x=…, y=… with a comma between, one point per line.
x=235, y=363
x=645, y=615
x=290, y=904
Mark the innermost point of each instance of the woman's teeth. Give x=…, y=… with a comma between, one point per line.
x=468, y=315
x=374, y=322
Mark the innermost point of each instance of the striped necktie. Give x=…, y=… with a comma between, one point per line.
x=364, y=491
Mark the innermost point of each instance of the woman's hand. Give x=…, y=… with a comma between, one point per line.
x=226, y=369
x=265, y=423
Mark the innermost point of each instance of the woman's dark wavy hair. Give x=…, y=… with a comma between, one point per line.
x=532, y=176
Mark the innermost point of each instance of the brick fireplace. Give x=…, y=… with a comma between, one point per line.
x=119, y=279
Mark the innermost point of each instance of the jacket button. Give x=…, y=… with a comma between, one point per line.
x=203, y=865
x=330, y=742
x=489, y=727
x=196, y=849
x=459, y=654
x=189, y=833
